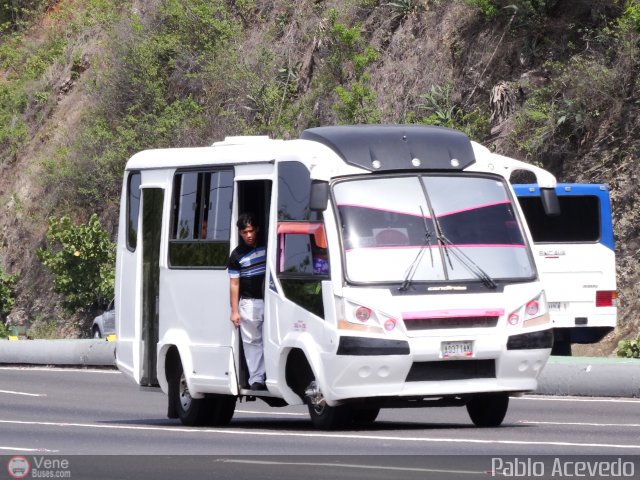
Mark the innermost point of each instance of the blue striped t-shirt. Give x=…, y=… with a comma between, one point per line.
x=249, y=264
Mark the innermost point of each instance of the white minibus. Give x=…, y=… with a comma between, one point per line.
x=399, y=274
x=576, y=260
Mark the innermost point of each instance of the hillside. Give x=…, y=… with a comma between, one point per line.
x=86, y=83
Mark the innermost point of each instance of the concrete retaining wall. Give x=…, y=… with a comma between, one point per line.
x=584, y=376
x=58, y=352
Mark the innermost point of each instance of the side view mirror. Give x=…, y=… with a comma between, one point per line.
x=319, y=198
x=550, y=202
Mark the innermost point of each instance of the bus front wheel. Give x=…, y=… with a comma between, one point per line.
x=322, y=415
x=488, y=409
x=363, y=416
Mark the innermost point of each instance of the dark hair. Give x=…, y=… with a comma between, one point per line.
x=246, y=219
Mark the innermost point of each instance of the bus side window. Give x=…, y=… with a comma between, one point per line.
x=303, y=263
x=201, y=225
x=133, y=209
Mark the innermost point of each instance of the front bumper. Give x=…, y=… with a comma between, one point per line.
x=422, y=372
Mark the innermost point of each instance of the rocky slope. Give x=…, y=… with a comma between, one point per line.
x=550, y=82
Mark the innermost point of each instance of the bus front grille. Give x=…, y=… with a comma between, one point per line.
x=450, y=322
x=451, y=370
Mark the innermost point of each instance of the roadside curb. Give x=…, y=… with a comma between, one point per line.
x=579, y=376
x=58, y=352
x=592, y=377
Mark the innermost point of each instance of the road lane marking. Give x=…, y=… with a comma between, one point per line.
x=257, y=412
x=576, y=399
x=353, y=465
x=341, y=436
x=11, y=392
x=26, y=449
x=581, y=424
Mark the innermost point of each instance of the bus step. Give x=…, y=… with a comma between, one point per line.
x=255, y=393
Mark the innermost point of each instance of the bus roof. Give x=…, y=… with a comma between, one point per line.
x=365, y=147
x=334, y=151
x=532, y=190
x=396, y=147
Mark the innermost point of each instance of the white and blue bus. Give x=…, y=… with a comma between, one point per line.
x=399, y=274
x=576, y=260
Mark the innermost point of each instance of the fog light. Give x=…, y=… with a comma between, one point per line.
x=514, y=319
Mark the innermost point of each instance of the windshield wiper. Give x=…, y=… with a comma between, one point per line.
x=462, y=257
x=411, y=271
x=469, y=264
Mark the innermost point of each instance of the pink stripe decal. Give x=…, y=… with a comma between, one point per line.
x=368, y=207
x=388, y=247
x=486, y=245
x=460, y=312
x=476, y=207
x=506, y=245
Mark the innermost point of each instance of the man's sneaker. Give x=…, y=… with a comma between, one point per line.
x=258, y=386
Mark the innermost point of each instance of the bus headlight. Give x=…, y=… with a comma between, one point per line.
x=532, y=313
x=352, y=316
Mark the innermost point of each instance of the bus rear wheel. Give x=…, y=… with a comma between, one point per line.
x=488, y=409
x=221, y=409
x=191, y=411
x=215, y=410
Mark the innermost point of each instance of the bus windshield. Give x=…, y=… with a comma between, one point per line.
x=433, y=228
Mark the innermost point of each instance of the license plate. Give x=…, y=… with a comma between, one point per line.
x=456, y=349
x=557, y=306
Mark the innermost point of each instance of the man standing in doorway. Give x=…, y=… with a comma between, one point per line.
x=247, y=265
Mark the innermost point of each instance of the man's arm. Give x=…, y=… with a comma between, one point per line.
x=234, y=299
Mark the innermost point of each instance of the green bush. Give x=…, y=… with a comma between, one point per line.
x=629, y=348
x=487, y=8
x=82, y=261
x=4, y=333
x=43, y=328
x=348, y=55
x=7, y=300
x=631, y=14
x=151, y=90
x=16, y=15
x=348, y=58
x=438, y=108
x=272, y=90
x=403, y=8
x=554, y=118
x=357, y=103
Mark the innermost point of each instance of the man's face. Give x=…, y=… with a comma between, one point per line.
x=249, y=235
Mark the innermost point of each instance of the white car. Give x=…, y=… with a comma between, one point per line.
x=105, y=324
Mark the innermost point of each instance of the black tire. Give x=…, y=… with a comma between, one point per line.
x=96, y=333
x=330, y=418
x=488, y=409
x=325, y=417
x=191, y=411
x=221, y=408
x=362, y=416
x=561, y=348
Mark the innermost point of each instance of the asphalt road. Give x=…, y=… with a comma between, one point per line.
x=79, y=413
